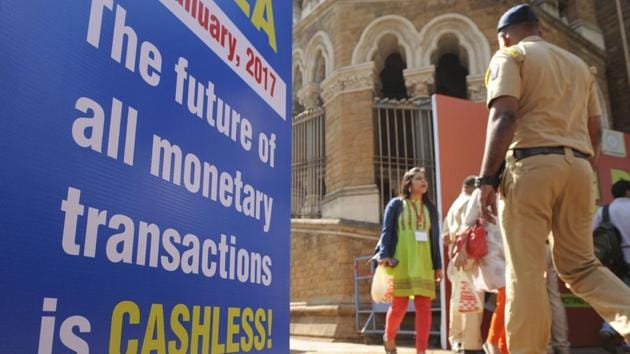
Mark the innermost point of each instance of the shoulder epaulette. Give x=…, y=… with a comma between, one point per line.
x=515, y=52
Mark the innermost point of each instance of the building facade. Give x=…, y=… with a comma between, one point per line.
x=363, y=72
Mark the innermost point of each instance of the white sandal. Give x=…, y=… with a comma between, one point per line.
x=393, y=351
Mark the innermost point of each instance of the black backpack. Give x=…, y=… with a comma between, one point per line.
x=607, y=245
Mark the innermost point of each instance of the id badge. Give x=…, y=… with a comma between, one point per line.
x=422, y=236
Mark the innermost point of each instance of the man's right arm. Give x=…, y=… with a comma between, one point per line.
x=594, y=119
x=595, y=133
x=504, y=91
x=499, y=134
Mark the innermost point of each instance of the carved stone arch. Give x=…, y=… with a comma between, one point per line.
x=319, y=44
x=386, y=26
x=467, y=34
x=449, y=43
x=387, y=43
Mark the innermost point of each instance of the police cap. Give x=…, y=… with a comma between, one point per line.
x=517, y=14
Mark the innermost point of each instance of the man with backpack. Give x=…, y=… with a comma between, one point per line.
x=611, y=238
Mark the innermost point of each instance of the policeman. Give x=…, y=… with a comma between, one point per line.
x=544, y=121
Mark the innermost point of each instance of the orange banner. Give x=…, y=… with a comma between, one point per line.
x=461, y=131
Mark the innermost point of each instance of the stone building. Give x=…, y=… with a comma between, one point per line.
x=614, y=21
x=363, y=71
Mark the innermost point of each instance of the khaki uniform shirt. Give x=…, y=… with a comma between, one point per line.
x=556, y=93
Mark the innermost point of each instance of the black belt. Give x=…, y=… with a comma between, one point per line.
x=520, y=154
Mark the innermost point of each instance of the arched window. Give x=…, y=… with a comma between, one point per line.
x=450, y=76
x=389, y=59
x=392, y=80
x=319, y=70
x=319, y=59
x=308, y=151
x=450, y=61
x=384, y=36
x=297, y=85
x=455, y=34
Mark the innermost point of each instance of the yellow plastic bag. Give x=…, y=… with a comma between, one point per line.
x=382, y=286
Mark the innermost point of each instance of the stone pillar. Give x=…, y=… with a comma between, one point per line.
x=617, y=78
x=583, y=20
x=348, y=99
x=476, y=87
x=420, y=82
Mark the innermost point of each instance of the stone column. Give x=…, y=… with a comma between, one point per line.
x=582, y=18
x=348, y=96
x=476, y=87
x=420, y=82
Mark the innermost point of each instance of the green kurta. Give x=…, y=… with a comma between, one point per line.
x=414, y=273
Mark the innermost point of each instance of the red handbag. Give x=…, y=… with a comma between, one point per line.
x=474, y=238
x=477, y=246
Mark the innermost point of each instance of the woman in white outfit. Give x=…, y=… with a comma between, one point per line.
x=488, y=274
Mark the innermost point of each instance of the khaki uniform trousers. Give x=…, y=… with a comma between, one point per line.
x=464, y=328
x=545, y=193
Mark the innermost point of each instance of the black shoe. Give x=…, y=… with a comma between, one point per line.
x=474, y=352
x=607, y=341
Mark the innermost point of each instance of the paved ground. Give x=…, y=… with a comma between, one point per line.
x=310, y=346
x=316, y=346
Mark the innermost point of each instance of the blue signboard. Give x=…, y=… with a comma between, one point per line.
x=145, y=176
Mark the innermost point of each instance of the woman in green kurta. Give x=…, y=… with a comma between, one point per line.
x=414, y=274
x=409, y=249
